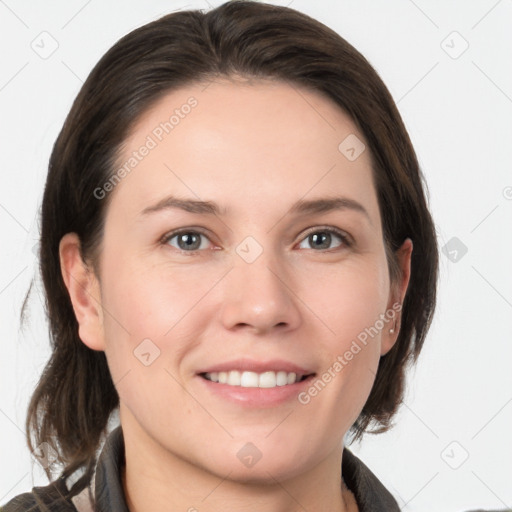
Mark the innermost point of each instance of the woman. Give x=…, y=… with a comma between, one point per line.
x=238, y=258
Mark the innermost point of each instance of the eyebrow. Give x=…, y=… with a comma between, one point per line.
x=301, y=207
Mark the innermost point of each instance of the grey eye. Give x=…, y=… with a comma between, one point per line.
x=187, y=241
x=321, y=239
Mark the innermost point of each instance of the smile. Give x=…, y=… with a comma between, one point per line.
x=245, y=379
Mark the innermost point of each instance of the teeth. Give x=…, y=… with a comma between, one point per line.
x=268, y=380
x=253, y=379
x=249, y=380
x=234, y=378
x=282, y=378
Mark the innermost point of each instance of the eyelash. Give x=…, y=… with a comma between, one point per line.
x=345, y=239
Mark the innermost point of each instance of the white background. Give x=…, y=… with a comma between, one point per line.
x=458, y=113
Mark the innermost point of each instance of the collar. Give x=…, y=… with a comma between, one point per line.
x=370, y=494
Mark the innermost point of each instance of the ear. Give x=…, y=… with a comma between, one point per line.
x=84, y=291
x=397, y=296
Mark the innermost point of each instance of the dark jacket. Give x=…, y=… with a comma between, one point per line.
x=370, y=494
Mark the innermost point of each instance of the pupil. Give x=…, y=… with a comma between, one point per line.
x=188, y=240
x=323, y=238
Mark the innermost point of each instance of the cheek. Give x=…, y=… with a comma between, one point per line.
x=149, y=300
x=165, y=305
x=147, y=330
x=348, y=299
x=352, y=304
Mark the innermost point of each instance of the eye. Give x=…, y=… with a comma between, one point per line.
x=186, y=240
x=319, y=239
x=323, y=238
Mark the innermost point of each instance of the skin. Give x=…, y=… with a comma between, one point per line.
x=255, y=148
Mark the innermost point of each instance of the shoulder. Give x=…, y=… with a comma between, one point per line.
x=55, y=496
x=370, y=493
x=22, y=502
x=50, y=498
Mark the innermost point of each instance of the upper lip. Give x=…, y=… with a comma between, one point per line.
x=251, y=365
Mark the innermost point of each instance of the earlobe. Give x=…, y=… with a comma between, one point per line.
x=84, y=292
x=397, y=296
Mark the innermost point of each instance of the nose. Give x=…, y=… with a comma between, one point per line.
x=259, y=296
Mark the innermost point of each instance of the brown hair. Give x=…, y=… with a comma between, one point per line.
x=75, y=396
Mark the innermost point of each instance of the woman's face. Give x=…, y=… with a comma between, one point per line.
x=244, y=244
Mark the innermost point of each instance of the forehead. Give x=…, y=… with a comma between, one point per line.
x=243, y=143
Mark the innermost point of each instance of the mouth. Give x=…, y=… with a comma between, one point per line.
x=255, y=383
x=249, y=379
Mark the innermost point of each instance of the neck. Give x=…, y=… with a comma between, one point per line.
x=156, y=479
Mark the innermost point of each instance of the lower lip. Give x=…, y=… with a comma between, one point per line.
x=256, y=397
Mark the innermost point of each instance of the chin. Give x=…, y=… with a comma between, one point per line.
x=263, y=473
x=250, y=465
